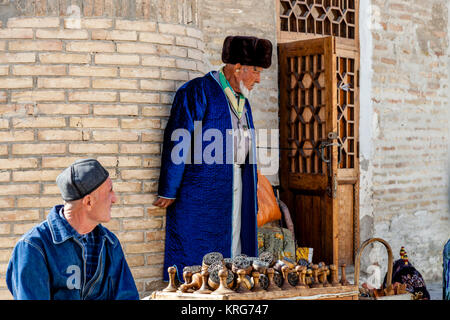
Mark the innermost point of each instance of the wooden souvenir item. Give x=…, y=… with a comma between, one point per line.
x=315, y=273
x=324, y=276
x=309, y=277
x=204, y=288
x=344, y=281
x=195, y=284
x=285, y=270
x=334, y=276
x=263, y=281
x=171, y=287
x=243, y=284
x=260, y=266
x=256, y=285
x=187, y=276
x=223, y=288
x=272, y=286
x=301, y=272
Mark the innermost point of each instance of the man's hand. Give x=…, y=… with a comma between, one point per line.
x=162, y=202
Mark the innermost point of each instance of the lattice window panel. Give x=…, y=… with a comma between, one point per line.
x=345, y=79
x=319, y=17
x=307, y=113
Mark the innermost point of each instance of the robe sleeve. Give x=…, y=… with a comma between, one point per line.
x=188, y=106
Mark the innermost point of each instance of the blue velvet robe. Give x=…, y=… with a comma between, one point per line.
x=200, y=219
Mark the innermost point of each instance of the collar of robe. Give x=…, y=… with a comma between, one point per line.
x=238, y=107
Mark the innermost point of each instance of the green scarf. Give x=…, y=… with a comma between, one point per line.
x=238, y=107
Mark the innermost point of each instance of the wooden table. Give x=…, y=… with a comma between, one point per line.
x=329, y=293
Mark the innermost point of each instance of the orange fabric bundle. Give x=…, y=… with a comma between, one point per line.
x=268, y=209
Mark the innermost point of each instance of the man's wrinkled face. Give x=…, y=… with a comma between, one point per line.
x=104, y=197
x=248, y=76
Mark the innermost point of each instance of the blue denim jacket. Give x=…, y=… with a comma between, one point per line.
x=48, y=263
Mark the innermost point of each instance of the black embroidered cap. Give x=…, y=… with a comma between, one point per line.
x=250, y=51
x=81, y=178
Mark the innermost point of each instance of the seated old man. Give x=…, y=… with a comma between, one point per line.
x=70, y=255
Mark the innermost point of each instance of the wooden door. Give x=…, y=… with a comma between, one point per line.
x=319, y=145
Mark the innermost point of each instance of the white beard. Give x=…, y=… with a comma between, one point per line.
x=244, y=91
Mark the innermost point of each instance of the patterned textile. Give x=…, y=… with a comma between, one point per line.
x=200, y=219
x=91, y=244
x=404, y=272
x=278, y=241
x=446, y=272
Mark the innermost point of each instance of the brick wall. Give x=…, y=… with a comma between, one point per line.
x=410, y=140
x=98, y=87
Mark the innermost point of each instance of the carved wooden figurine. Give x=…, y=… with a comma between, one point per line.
x=334, y=276
x=315, y=272
x=285, y=271
x=204, y=288
x=256, y=286
x=301, y=272
x=243, y=285
x=171, y=287
x=272, y=286
x=344, y=281
x=325, y=273
x=195, y=284
x=187, y=276
x=223, y=288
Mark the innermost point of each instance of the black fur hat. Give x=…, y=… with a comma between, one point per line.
x=250, y=51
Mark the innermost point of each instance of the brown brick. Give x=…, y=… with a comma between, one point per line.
x=136, y=25
x=150, y=247
x=16, y=83
x=96, y=23
x=115, y=136
x=13, y=136
x=153, y=136
x=137, y=97
x=6, y=202
x=130, y=236
x=139, y=73
x=4, y=70
x=172, y=28
x=62, y=83
x=122, y=161
x=51, y=108
x=19, y=215
x=39, y=45
x=146, y=272
x=90, y=46
x=18, y=163
x=49, y=135
x=143, y=48
x=126, y=212
x=116, y=109
x=100, y=96
x=6, y=229
x=22, y=228
x=158, y=61
x=135, y=261
x=134, y=199
x=25, y=22
x=139, y=224
x=7, y=242
x=140, y=123
x=151, y=162
x=16, y=33
x=54, y=58
x=143, y=148
x=39, y=122
x=156, y=211
x=166, y=50
x=41, y=95
x=57, y=162
x=94, y=148
x=117, y=59
x=116, y=35
x=62, y=34
x=93, y=71
x=94, y=122
x=33, y=175
x=39, y=70
x=155, y=236
x=39, y=202
x=17, y=57
x=156, y=38
x=128, y=174
x=40, y=148
x=114, y=84
x=158, y=85
x=18, y=189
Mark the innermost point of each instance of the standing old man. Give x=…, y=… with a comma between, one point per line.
x=71, y=256
x=211, y=196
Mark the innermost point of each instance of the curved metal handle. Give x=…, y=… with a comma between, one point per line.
x=390, y=260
